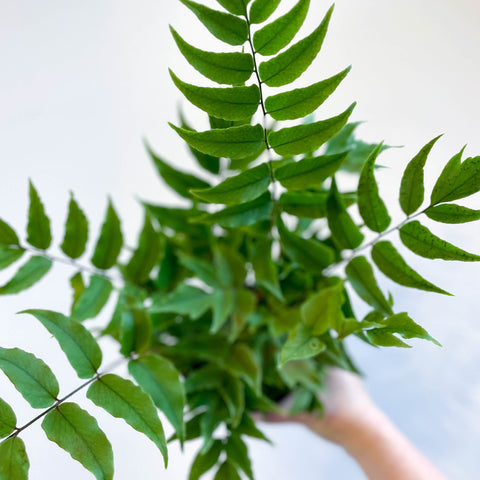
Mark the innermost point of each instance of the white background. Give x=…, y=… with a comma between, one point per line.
x=84, y=81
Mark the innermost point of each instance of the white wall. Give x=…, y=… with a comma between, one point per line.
x=83, y=82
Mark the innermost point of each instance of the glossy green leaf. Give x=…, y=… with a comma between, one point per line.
x=370, y=205
x=392, y=264
x=14, y=464
x=420, y=240
x=179, y=181
x=412, y=189
x=457, y=180
x=146, y=256
x=245, y=214
x=241, y=188
x=261, y=10
x=93, y=299
x=7, y=234
x=237, y=7
x=76, y=231
x=233, y=142
x=30, y=376
x=382, y=338
x=27, y=275
x=123, y=399
x=224, y=26
x=74, y=339
x=266, y=272
x=225, y=68
x=301, y=102
x=8, y=420
x=161, y=380
x=322, y=311
x=8, y=256
x=345, y=232
x=136, y=331
x=77, y=432
x=289, y=65
x=270, y=39
x=185, y=300
x=301, y=138
x=300, y=344
x=310, y=172
x=109, y=242
x=227, y=472
x=204, y=462
x=310, y=254
x=305, y=204
x=237, y=453
x=451, y=213
x=360, y=275
x=233, y=103
x=38, y=227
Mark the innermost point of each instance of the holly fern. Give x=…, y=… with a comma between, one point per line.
x=226, y=305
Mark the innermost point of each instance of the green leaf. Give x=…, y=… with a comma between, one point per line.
x=136, y=331
x=237, y=453
x=305, y=204
x=8, y=420
x=457, y=180
x=360, y=275
x=27, y=275
x=146, y=256
x=241, y=188
x=322, y=311
x=237, y=7
x=179, y=181
x=204, y=462
x=204, y=270
x=93, y=299
x=109, y=242
x=451, y=213
x=38, y=227
x=76, y=231
x=370, y=205
x=227, y=472
x=78, y=286
x=310, y=254
x=273, y=37
x=7, y=234
x=261, y=10
x=266, y=272
x=345, y=232
x=301, y=102
x=225, y=68
x=74, y=339
x=423, y=242
x=185, y=300
x=123, y=399
x=382, y=338
x=247, y=427
x=77, y=432
x=300, y=344
x=391, y=264
x=412, y=189
x=245, y=214
x=309, y=172
x=233, y=103
x=223, y=305
x=30, y=376
x=301, y=138
x=14, y=464
x=224, y=26
x=402, y=324
x=289, y=65
x=233, y=142
x=8, y=256
x=161, y=380
x=175, y=218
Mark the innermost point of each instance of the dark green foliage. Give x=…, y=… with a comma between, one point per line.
x=235, y=298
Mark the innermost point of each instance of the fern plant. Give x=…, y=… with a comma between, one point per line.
x=228, y=305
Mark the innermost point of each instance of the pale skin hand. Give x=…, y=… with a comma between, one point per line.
x=353, y=421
